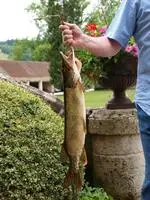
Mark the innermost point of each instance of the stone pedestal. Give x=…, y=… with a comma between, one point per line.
x=114, y=152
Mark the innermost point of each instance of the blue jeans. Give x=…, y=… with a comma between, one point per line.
x=144, y=126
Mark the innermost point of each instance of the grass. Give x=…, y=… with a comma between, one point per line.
x=99, y=98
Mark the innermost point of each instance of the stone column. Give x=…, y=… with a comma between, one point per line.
x=40, y=85
x=115, y=157
x=28, y=82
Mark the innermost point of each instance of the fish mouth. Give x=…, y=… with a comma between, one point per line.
x=70, y=53
x=69, y=58
x=63, y=55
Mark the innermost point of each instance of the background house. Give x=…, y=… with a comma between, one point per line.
x=32, y=73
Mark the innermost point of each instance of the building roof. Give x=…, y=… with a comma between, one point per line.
x=25, y=69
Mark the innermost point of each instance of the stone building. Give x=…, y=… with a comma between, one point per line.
x=32, y=73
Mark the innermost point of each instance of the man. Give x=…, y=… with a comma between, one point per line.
x=132, y=19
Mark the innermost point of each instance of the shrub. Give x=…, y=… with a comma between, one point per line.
x=96, y=193
x=30, y=138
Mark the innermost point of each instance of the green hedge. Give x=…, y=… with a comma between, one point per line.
x=30, y=138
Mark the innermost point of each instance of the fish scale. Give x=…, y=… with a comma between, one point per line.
x=75, y=120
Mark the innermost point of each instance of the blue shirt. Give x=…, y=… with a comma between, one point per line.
x=133, y=19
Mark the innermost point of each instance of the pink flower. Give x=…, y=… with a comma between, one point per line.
x=132, y=49
x=135, y=48
x=103, y=29
x=128, y=49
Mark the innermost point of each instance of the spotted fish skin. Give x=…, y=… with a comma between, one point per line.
x=75, y=119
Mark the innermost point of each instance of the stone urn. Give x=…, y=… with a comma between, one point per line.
x=121, y=76
x=114, y=152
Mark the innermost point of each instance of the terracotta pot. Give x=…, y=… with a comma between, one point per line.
x=123, y=76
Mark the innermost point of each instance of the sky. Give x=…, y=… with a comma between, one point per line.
x=16, y=22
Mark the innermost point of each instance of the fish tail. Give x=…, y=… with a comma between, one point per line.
x=73, y=178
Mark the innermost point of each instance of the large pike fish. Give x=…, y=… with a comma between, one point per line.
x=75, y=119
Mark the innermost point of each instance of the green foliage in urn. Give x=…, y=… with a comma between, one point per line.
x=94, y=67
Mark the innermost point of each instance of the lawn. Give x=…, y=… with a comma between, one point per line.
x=99, y=98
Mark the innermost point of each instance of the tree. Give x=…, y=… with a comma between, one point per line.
x=48, y=16
x=104, y=12
x=21, y=50
x=35, y=49
x=71, y=11
x=6, y=46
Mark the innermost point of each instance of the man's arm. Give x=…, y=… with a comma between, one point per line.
x=99, y=46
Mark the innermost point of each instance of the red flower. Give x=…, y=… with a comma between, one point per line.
x=91, y=27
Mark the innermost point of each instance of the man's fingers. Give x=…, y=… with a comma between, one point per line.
x=67, y=37
x=69, y=25
x=69, y=42
x=67, y=32
x=63, y=27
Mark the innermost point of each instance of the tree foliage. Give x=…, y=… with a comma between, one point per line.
x=6, y=46
x=35, y=50
x=104, y=12
x=48, y=15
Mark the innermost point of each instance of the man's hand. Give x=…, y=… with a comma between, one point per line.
x=72, y=34
x=99, y=46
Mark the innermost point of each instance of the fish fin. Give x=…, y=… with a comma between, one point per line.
x=63, y=155
x=73, y=178
x=78, y=64
x=81, y=85
x=83, y=158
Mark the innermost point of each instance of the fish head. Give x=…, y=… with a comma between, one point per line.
x=71, y=68
x=70, y=60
